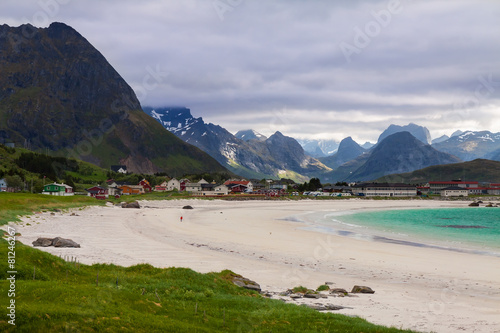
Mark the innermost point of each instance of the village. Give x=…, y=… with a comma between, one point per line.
x=255, y=188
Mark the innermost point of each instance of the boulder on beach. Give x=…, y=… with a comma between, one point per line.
x=133, y=204
x=324, y=307
x=187, y=207
x=474, y=204
x=56, y=242
x=43, y=242
x=341, y=291
x=63, y=242
x=362, y=290
x=246, y=283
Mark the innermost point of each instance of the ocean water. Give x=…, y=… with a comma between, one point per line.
x=474, y=229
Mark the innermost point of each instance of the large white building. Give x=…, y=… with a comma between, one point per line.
x=437, y=186
x=454, y=191
x=384, y=190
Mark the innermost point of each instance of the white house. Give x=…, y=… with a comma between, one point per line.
x=173, y=184
x=3, y=185
x=119, y=168
x=195, y=187
x=454, y=191
x=221, y=190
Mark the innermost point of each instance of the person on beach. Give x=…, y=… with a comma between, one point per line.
x=181, y=218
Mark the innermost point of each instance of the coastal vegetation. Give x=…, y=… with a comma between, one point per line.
x=57, y=295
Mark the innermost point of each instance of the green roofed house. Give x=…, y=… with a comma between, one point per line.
x=58, y=189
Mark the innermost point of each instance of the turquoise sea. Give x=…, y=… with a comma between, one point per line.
x=474, y=229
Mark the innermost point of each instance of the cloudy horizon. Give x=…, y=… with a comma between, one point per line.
x=312, y=69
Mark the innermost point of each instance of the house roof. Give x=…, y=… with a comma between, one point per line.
x=95, y=189
x=237, y=182
x=115, y=168
x=452, y=183
x=384, y=185
x=63, y=185
x=455, y=188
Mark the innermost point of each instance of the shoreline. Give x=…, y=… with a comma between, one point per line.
x=424, y=289
x=347, y=229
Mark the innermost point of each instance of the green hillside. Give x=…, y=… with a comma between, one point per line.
x=478, y=170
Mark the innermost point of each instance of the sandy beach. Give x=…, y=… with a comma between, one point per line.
x=425, y=289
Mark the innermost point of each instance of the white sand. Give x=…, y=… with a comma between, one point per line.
x=423, y=289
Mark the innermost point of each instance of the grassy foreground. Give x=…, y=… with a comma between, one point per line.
x=13, y=205
x=65, y=296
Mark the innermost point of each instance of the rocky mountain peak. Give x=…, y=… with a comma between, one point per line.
x=420, y=132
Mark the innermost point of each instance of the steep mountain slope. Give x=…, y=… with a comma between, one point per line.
x=478, y=170
x=250, y=134
x=417, y=131
x=58, y=92
x=344, y=172
x=494, y=156
x=398, y=153
x=470, y=145
x=277, y=156
x=348, y=151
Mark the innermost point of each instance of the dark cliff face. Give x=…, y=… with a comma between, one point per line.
x=58, y=92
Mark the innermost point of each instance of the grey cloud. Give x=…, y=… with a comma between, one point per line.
x=268, y=56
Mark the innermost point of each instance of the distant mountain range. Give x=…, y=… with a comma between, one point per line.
x=251, y=154
x=59, y=93
x=248, y=154
x=470, y=145
x=397, y=153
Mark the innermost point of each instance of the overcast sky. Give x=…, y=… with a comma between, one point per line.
x=310, y=69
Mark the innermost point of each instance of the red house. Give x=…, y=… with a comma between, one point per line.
x=239, y=186
x=98, y=192
x=145, y=184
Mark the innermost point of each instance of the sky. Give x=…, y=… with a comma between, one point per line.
x=317, y=69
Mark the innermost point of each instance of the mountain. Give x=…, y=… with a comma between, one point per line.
x=344, y=172
x=470, y=145
x=367, y=145
x=494, y=156
x=277, y=156
x=250, y=134
x=398, y=153
x=59, y=93
x=478, y=170
x=420, y=132
x=440, y=139
x=319, y=148
x=348, y=150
